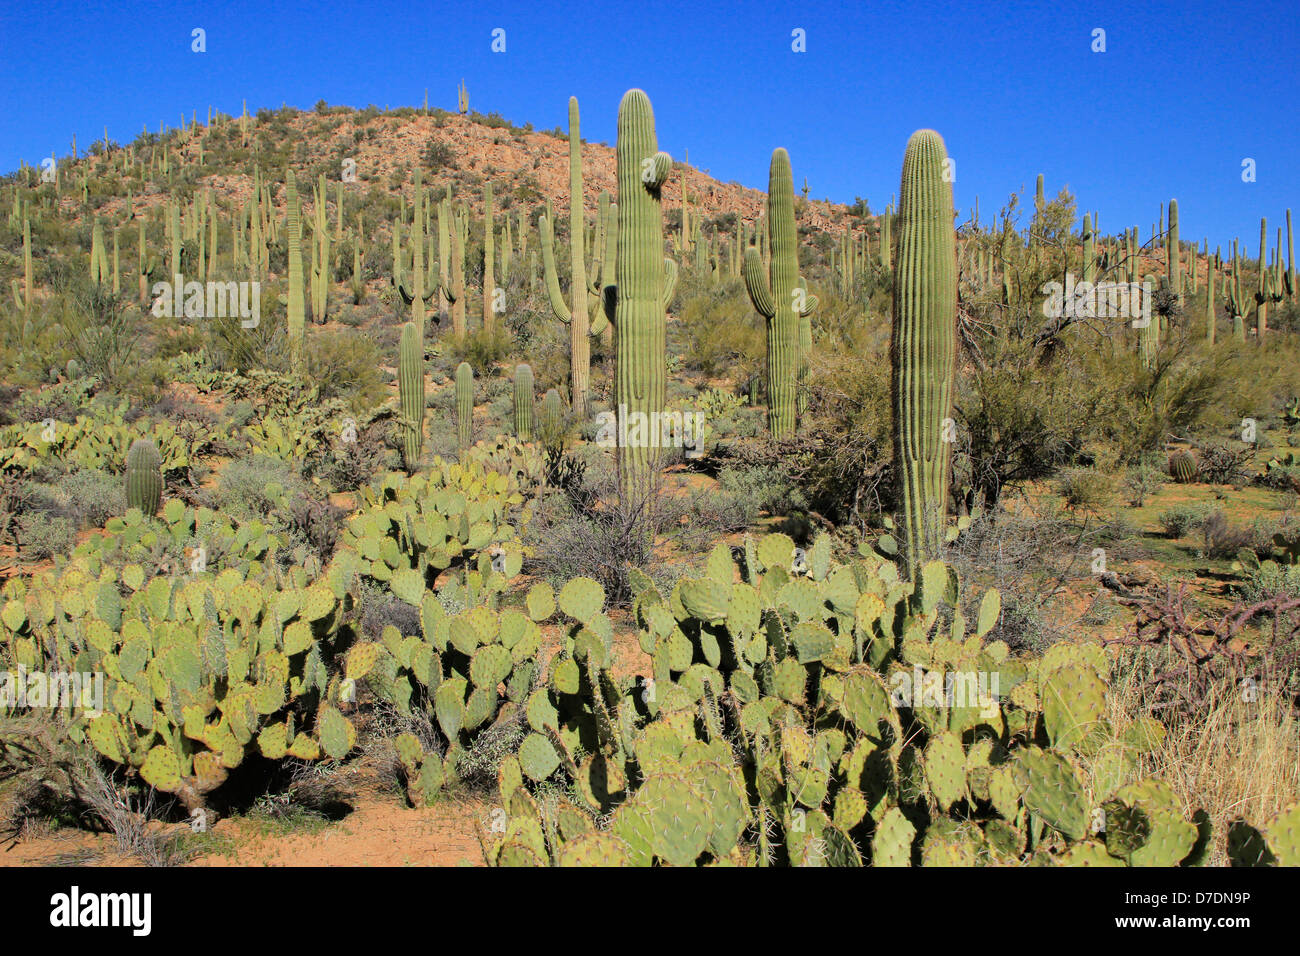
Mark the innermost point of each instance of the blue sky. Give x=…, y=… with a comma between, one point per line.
x=1184, y=92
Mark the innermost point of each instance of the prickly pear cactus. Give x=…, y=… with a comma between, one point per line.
x=798, y=712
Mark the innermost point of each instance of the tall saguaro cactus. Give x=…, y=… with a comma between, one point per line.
x=923, y=347
x=781, y=298
x=464, y=406
x=1236, y=299
x=1291, y=289
x=424, y=280
x=1263, y=293
x=297, y=305
x=1174, y=254
x=644, y=286
x=410, y=384
x=143, y=476
x=578, y=316
x=489, y=257
x=524, y=409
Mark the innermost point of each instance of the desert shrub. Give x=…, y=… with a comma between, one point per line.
x=481, y=349
x=1141, y=482
x=255, y=486
x=1085, y=489
x=1224, y=464
x=102, y=330
x=755, y=489
x=722, y=337
x=438, y=156
x=343, y=364
x=1178, y=521
x=43, y=535
x=1222, y=539
x=92, y=497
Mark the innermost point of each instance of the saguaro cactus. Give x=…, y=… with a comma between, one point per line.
x=644, y=286
x=143, y=476
x=1174, y=254
x=525, y=418
x=489, y=262
x=923, y=346
x=1291, y=289
x=451, y=250
x=551, y=421
x=1209, y=302
x=1236, y=299
x=781, y=298
x=584, y=295
x=410, y=384
x=424, y=280
x=1263, y=291
x=464, y=406
x=297, y=305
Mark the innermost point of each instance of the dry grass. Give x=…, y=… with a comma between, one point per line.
x=1236, y=759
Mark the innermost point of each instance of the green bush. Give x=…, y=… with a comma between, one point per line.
x=1176, y=522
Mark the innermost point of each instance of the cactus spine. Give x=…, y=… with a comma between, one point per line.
x=781, y=298
x=644, y=286
x=525, y=418
x=464, y=406
x=923, y=346
x=143, y=476
x=410, y=385
x=297, y=305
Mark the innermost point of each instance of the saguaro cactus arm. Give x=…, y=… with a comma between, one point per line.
x=760, y=291
x=553, y=290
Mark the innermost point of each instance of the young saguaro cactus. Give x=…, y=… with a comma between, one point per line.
x=923, y=346
x=781, y=298
x=644, y=285
x=525, y=418
x=410, y=384
x=143, y=476
x=464, y=406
